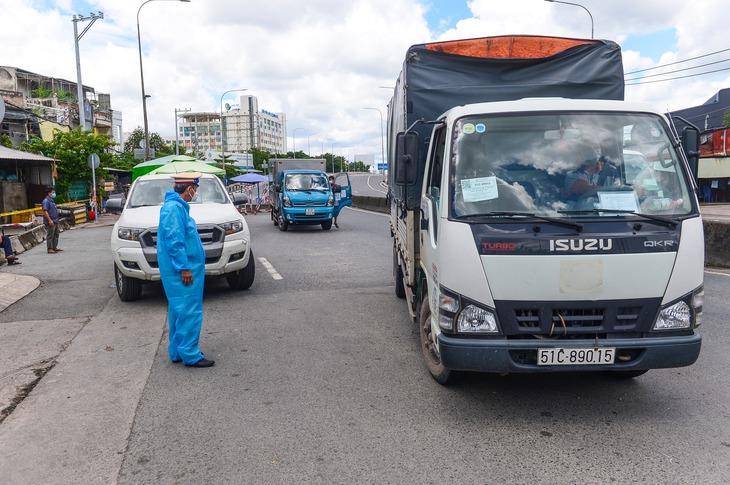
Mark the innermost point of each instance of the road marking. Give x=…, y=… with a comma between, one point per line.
x=376, y=190
x=718, y=273
x=270, y=269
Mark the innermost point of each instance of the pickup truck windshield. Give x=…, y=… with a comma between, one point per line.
x=152, y=192
x=306, y=181
x=568, y=165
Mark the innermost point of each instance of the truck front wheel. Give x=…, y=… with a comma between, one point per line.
x=441, y=374
x=128, y=289
x=283, y=224
x=327, y=225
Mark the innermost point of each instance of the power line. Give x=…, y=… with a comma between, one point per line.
x=679, y=70
x=678, y=77
x=677, y=62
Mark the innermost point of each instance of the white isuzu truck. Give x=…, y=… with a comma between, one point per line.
x=540, y=223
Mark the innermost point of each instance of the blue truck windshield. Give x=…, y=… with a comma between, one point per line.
x=567, y=165
x=306, y=181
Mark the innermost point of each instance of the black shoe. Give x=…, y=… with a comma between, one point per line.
x=176, y=361
x=202, y=363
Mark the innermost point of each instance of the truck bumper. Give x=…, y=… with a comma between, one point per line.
x=297, y=215
x=489, y=355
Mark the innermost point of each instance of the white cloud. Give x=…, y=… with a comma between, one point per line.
x=321, y=61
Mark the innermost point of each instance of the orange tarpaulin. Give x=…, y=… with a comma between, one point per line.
x=508, y=47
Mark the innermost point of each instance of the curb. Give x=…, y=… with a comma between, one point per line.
x=13, y=287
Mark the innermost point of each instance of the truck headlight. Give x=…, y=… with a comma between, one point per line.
x=458, y=313
x=683, y=314
x=473, y=319
x=330, y=201
x=129, y=233
x=674, y=317
x=232, y=227
x=287, y=202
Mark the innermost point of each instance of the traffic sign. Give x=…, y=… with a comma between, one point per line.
x=93, y=161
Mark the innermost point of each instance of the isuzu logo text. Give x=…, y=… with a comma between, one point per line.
x=581, y=244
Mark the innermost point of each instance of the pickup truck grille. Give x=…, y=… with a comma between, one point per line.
x=211, y=236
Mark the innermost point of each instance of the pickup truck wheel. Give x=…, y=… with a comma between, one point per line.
x=243, y=278
x=283, y=224
x=128, y=289
x=441, y=374
x=327, y=225
x=400, y=287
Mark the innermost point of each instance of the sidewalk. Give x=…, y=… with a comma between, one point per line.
x=14, y=286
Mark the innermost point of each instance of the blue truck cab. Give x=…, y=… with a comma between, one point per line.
x=302, y=194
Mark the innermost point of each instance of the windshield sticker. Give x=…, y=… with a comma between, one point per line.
x=479, y=189
x=625, y=201
x=481, y=128
x=469, y=128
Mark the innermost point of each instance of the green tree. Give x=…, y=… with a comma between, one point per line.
x=5, y=141
x=157, y=143
x=71, y=151
x=726, y=118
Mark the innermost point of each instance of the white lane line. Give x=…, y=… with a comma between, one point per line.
x=270, y=269
x=718, y=273
x=376, y=190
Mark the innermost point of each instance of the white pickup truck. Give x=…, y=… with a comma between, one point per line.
x=223, y=231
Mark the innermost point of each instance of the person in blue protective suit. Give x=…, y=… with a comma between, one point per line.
x=181, y=259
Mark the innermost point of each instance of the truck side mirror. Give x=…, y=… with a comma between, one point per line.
x=239, y=199
x=691, y=147
x=406, y=158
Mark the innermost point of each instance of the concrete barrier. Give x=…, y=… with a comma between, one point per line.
x=717, y=243
x=367, y=202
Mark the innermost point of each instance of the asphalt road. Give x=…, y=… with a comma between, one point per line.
x=367, y=184
x=319, y=379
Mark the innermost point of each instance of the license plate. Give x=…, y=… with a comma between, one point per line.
x=309, y=212
x=560, y=356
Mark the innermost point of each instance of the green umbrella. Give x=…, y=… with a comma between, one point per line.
x=148, y=166
x=188, y=166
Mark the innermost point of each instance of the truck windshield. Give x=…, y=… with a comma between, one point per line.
x=306, y=181
x=567, y=165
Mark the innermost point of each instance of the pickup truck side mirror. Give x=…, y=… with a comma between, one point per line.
x=277, y=187
x=239, y=199
x=115, y=205
x=406, y=158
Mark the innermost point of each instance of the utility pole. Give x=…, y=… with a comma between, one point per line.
x=77, y=37
x=177, y=137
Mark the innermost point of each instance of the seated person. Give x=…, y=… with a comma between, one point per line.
x=593, y=173
x=9, y=253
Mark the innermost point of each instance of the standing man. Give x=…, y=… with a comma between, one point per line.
x=50, y=220
x=181, y=259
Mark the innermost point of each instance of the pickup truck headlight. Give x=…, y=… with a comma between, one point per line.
x=464, y=316
x=129, y=233
x=683, y=314
x=330, y=201
x=232, y=227
x=287, y=202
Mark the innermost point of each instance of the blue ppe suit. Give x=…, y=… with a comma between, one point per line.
x=178, y=248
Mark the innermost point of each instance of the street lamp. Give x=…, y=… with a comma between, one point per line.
x=141, y=76
x=294, y=140
x=177, y=138
x=80, y=88
x=223, y=145
x=382, y=139
x=576, y=5
x=309, y=151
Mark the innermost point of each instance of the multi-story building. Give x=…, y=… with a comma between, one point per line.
x=236, y=130
x=36, y=104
